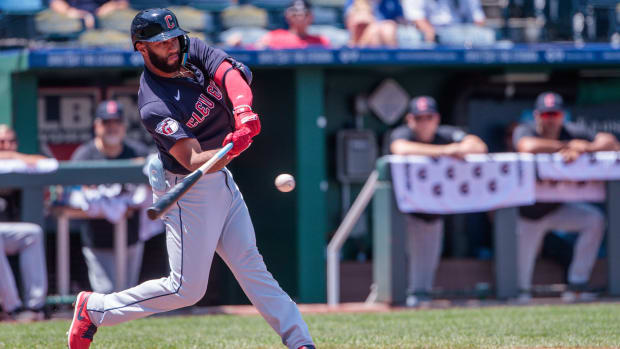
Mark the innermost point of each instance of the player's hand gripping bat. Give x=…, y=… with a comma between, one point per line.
x=173, y=195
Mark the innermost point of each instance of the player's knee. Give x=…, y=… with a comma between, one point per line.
x=190, y=294
x=34, y=233
x=595, y=220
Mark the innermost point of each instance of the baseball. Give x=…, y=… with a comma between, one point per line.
x=285, y=182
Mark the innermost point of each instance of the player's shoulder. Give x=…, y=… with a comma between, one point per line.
x=402, y=132
x=155, y=108
x=138, y=148
x=84, y=151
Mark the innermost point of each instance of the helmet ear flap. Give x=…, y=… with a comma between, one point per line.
x=184, y=47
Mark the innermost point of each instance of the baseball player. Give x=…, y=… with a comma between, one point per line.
x=549, y=134
x=193, y=99
x=422, y=135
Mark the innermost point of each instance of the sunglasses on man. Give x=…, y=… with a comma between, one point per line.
x=424, y=117
x=550, y=115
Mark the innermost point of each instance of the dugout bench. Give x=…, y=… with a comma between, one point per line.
x=389, y=259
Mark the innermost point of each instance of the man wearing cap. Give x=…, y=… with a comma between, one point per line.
x=97, y=234
x=299, y=17
x=422, y=135
x=550, y=133
x=194, y=100
x=20, y=238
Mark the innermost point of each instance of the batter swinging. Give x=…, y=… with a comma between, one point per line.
x=193, y=99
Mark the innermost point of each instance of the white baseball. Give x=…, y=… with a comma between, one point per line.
x=285, y=182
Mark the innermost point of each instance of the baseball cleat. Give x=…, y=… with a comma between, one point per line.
x=82, y=330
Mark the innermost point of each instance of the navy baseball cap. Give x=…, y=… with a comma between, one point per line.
x=423, y=105
x=109, y=110
x=299, y=6
x=549, y=101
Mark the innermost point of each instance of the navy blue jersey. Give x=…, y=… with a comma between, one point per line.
x=175, y=108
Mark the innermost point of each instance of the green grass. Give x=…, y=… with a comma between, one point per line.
x=595, y=325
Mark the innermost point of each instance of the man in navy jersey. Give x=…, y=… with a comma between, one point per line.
x=193, y=99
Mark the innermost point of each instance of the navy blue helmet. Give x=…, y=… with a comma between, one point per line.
x=157, y=24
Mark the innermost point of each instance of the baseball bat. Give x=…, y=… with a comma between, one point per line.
x=173, y=195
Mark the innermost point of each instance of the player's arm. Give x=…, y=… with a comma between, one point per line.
x=602, y=142
x=188, y=153
x=405, y=147
x=472, y=144
x=27, y=158
x=539, y=145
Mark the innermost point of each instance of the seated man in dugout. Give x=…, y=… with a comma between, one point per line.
x=422, y=135
x=23, y=239
x=550, y=133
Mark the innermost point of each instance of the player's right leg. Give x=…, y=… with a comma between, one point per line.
x=193, y=228
x=237, y=247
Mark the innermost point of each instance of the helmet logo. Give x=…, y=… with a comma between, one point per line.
x=169, y=21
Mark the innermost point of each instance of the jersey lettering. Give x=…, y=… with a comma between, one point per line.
x=203, y=106
x=214, y=91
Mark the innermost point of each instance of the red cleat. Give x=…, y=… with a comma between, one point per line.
x=82, y=330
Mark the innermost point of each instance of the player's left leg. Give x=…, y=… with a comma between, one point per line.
x=27, y=240
x=237, y=247
x=589, y=222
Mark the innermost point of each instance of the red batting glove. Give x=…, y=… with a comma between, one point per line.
x=241, y=141
x=245, y=117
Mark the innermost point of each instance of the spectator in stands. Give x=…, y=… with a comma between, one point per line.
x=25, y=239
x=97, y=235
x=299, y=17
x=422, y=135
x=449, y=22
x=550, y=134
x=86, y=10
x=373, y=23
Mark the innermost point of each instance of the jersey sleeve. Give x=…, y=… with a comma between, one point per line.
x=579, y=131
x=523, y=130
x=166, y=131
x=402, y=132
x=451, y=133
x=81, y=153
x=205, y=57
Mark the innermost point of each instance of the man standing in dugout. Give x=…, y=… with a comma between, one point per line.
x=549, y=133
x=193, y=99
x=422, y=135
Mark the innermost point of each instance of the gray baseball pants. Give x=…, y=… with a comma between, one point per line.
x=584, y=219
x=211, y=217
x=424, y=243
x=25, y=239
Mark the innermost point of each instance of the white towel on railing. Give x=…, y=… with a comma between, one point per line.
x=19, y=166
x=446, y=185
x=604, y=165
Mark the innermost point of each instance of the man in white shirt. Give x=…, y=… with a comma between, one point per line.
x=453, y=22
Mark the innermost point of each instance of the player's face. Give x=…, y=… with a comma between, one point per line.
x=424, y=125
x=164, y=55
x=8, y=141
x=550, y=122
x=298, y=20
x=111, y=132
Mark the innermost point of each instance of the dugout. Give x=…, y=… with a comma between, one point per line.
x=304, y=99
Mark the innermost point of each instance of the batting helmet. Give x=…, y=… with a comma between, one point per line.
x=157, y=24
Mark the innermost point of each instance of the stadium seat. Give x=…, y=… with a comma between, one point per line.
x=210, y=5
x=327, y=16
x=242, y=36
x=54, y=26
x=118, y=20
x=104, y=38
x=329, y=3
x=20, y=6
x=145, y=4
x=244, y=16
x=338, y=37
x=194, y=20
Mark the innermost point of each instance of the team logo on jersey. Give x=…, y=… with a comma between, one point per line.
x=169, y=21
x=167, y=126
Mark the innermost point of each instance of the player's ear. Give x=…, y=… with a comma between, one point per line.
x=141, y=47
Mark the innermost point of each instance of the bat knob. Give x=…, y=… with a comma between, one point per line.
x=152, y=213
